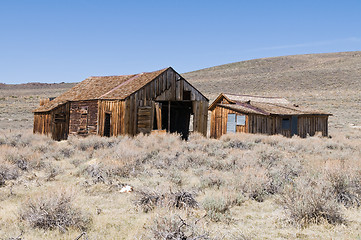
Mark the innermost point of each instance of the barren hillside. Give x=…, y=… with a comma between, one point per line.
x=321, y=72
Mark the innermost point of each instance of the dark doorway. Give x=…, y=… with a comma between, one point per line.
x=176, y=116
x=107, y=124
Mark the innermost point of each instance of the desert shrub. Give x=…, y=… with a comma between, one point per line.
x=238, y=141
x=309, y=201
x=53, y=211
x=345, y=187
x=7, y=172
x=211, y=181
x=176, y=178
x=175, y=228
x=280, y=170
x=148, y=200
x=217, y=208
x=283, y=173
x=254, y=183
x=51, y=172
x=20, y=158
x=93, y=142
x=181, y=200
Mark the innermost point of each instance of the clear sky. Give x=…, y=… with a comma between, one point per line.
x=70, y=40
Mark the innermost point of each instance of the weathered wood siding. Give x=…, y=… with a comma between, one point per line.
x=219, y=117
x=168, y=86
x=312, y=124
x=54, y=123
x=83, y=117
x=306, y=124
x=116, y=110
x=42, y=123
x=266, y=125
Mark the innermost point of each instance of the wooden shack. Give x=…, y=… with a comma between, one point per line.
x=268, y=115
x=125, y=105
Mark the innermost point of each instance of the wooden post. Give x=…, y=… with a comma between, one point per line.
x=158, y=115
x=168, y=116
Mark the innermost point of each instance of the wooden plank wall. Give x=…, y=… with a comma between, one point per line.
x=116, y=109
x=169, y=86
x=219, y=117
x=312, y=124
x=44, y=123
x=75, y=117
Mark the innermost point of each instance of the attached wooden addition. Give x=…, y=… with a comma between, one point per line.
x=268, y=115
x=125, y=105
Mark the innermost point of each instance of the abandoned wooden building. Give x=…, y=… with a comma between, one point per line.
x=267, y=115
x=125, y=105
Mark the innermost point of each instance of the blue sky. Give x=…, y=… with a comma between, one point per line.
x=68, y=41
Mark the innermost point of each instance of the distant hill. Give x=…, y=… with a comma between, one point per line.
x=316, y=72
x=36, y=85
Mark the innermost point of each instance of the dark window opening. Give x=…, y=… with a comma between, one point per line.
x=107, y=124
x=286, y=124
x=186, y=95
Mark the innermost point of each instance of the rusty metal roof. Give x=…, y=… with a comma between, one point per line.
x=106, y=87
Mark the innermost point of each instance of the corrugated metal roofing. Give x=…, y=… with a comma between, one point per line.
x=106, y=87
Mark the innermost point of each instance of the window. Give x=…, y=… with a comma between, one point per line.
x=286, y=124
x=186, y=95
x=241, y=120
x=231, y=123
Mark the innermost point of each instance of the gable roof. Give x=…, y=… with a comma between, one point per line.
x=262, y=105
x=107, y=87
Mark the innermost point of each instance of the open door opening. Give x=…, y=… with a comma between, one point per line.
x=107, y=125
x=175, y=117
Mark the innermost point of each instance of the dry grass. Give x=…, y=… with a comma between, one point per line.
x=239, y=187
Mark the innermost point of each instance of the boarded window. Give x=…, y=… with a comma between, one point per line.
x=59, y=117
x=144, y=119
x=241, y=120
x=286, y=123
x=231, y=123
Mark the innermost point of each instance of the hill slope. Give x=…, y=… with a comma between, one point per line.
x=323, y=72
